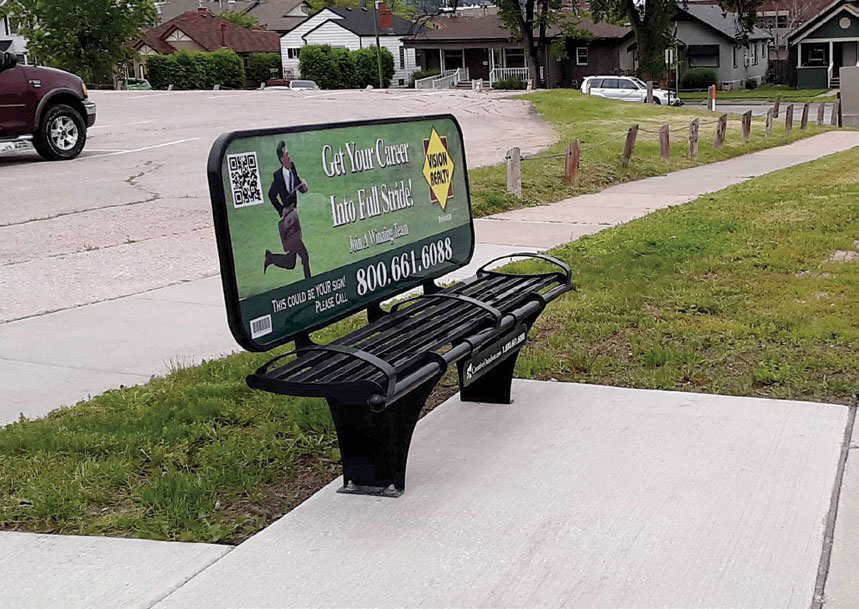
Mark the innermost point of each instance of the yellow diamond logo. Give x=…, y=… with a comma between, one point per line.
x=438, y=169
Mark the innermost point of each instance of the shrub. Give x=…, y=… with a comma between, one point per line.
x=367, y=67
x=699, y=78
x=751, y=84
x=260, y=66
x=343, y=69
x=422, y=74
x=510, y=83
x=195, y=70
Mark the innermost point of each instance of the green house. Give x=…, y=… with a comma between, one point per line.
x=824, y=44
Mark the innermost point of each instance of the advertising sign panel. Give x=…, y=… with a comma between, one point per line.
x=316, y=222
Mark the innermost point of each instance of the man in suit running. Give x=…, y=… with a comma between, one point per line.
x=283, y=195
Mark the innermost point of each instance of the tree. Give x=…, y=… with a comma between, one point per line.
x=86, y=37
x=522, y=17
x=651, y=23
x=240, y=19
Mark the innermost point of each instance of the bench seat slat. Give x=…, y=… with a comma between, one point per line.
x=430, y=325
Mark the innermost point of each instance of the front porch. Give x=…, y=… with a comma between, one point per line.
x=820, y=61
x=490, y=63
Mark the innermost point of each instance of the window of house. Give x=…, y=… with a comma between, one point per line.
x=453, y=59
x=402, y=57
x=763, y=50
x=753, y=53
x=581, y=56
x=293, y=53
x=515, y=58
x=735, y=54
x=703, y=55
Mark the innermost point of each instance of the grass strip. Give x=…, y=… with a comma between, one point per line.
x=592, y=120
x=753, y=291
x=766, y=93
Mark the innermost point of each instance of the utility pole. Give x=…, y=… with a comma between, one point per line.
x=378, y=46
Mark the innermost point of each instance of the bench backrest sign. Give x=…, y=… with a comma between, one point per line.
x=315, y=223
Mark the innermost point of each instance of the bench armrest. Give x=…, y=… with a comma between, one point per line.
x=567, y=271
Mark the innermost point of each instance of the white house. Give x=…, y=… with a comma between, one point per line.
x=10, y=41
x=352, y=29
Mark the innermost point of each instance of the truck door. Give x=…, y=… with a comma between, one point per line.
x=14, y=93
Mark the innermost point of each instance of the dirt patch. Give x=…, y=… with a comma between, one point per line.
x=844, y=256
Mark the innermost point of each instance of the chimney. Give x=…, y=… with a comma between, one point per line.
x=223, y=25
x=386, y=18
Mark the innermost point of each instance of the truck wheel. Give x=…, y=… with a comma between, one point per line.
x=61, y=135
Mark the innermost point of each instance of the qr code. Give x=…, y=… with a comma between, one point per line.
x=245, y=182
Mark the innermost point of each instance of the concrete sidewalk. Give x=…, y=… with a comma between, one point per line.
x=60, y=358
x=573, y=496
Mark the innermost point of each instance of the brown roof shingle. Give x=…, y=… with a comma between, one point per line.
x=489, y=28
x=205, y=29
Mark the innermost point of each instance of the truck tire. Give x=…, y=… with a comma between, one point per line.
x=61, y=135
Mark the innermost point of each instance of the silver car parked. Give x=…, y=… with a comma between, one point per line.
x=627, y=88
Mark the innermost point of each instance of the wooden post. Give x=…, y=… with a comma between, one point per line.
x=776, y=106
x=788, y=119
x=693, y=138
x=833, y=120
x=665, y=143
x=514, y=172
x=770, y=114
x=571, y=163
x=721, y=129
x=629, y=147
x=649, y=91
x=840, y=111
x=804, y=123
x=747, y=126
x=821, y=114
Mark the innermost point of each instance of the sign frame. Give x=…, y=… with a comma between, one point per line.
x=229, y=280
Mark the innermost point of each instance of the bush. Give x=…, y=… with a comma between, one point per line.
x=260, y=66
x=422, y=74
x=343, y=69
x=510, y=83
x=195, y=70
x=367, y=67
x=699, y=78
x=751, y=84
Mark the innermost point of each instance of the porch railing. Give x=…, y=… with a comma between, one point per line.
x=497, y=74
x=427, y=83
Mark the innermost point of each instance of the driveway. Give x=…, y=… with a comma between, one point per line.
x=131, y=214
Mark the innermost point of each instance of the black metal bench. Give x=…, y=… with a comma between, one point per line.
x=377, y=379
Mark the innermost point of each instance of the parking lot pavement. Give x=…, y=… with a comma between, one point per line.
x=132, y=213
x=573, y=496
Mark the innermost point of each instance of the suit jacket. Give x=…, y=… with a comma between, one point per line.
x=279, y=194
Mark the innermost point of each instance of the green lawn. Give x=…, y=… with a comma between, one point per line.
x=735, y=293
x=593, y=120
x=766, y=93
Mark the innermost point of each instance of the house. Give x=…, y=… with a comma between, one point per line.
x=200, y=30
x=352, y=29
x=708, y=37
x=11, y=42
x=481, y=48
x=274, y=15
x=824, y=44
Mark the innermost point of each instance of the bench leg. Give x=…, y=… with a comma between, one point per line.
x=491, y=388
x=374, y=446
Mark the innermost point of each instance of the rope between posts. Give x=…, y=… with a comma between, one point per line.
x=614, y=139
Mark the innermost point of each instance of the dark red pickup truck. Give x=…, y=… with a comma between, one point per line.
x=44, y=106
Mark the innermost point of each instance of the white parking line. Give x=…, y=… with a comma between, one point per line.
x=119, y=125
x=149, y=95
x=190, y=139
x=327, y=94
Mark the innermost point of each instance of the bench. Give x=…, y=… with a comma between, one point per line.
x=385, y=204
